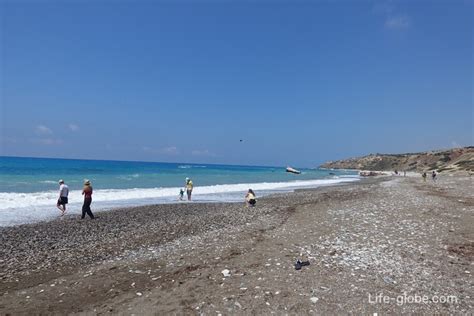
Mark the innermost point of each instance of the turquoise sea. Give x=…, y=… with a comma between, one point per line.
x=28, y=186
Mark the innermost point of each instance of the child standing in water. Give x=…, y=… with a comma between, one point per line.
x=181, y=194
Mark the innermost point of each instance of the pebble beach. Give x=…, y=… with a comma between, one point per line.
x=394, y=237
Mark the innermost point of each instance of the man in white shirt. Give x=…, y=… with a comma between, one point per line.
x=62, y=200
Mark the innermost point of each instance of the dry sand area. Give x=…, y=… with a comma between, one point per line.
x=387, y=245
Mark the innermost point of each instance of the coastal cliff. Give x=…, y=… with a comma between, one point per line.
x=456, y=159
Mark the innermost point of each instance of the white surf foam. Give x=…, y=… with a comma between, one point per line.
x=189, y=166
x=19, y=208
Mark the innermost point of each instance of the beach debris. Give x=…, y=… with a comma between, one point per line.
x=226, y=273
x=139, y=294
x=300, y=264
x=388, y=280
x=314, y=299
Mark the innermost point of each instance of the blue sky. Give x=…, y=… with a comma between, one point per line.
x=300, y=82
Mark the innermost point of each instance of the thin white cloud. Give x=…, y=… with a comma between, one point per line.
x=47, y=141
x=73, y=127
x=202, y=153
x=43, y=130
x=394, y=19
x=172, y=150
x=45, y=136
x=398, y=22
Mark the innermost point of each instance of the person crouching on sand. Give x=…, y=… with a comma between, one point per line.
x=63, y=194
x=250, y=198
x=86, y=207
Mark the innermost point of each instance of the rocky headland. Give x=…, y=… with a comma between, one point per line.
x=452, y=160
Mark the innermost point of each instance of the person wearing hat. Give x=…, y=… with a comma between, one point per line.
x=63, y=194
x=189, y=188
x=86, y=207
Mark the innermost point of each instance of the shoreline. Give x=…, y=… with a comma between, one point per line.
x=46, y=210
x=173, y=255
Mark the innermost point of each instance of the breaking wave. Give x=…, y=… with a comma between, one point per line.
x=19, y=208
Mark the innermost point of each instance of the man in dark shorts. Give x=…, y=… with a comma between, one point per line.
x=63, y=194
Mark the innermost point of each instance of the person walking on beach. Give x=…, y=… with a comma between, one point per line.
x=86, y=207
x=424, y=176
x=63, y=194
x=250, y=198
x=433, y=175
x=189, y=188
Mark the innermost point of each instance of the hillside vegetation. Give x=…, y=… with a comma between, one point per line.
x=456, y=159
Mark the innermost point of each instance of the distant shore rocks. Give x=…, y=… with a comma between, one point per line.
x=451, y=160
